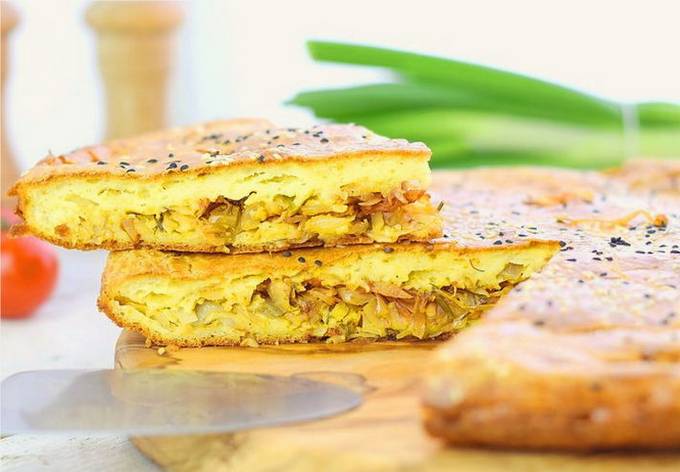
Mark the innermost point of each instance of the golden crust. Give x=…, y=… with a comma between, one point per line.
x=185, y=155
x=250, y=143
x=584, y=355
x=232, y=143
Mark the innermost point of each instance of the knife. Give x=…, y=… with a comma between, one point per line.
x=162, y=401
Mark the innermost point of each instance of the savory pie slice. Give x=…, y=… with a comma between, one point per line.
x=363, y=292
x=232, y=186
x=586, y=354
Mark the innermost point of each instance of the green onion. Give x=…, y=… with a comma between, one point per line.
x=475, y=115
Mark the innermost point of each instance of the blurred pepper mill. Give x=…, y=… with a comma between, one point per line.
x=135, y=47
x=10, y=170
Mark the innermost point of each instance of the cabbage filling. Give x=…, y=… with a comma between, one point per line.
x=404, y=213
x=287, y=310
x=383, y=311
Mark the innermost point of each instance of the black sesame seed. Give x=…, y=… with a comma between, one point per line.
x=123, y=163
x=497, y=242
x=101, y=163
x=324, y=140
x=260, y=158
x=618, y=241
x=563, y=243
x=301, y=259
x=571, y=260
x=129, y=170
x=152, y=161
x=172, y=165
x=286, y=253
x=171, y=155
x=184, y=167
x=318, y=263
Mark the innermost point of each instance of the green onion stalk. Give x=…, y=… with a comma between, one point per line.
x=473, y=115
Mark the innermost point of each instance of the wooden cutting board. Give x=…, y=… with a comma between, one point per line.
x=385, y=433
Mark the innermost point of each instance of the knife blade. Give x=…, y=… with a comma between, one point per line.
x=162, y=401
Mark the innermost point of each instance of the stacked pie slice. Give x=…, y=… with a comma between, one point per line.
x=240, y=233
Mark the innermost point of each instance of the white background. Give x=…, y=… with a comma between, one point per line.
x=240, y=57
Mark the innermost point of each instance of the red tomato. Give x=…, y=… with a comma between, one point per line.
x=29, y=272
